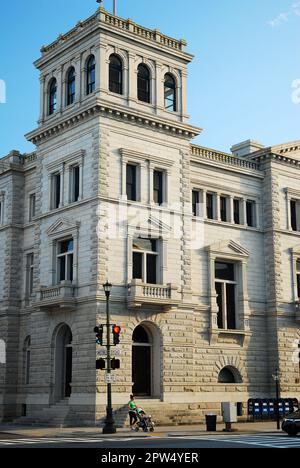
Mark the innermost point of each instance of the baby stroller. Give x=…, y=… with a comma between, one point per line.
x=144, y=421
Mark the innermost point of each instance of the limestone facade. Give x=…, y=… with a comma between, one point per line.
x=243, y=215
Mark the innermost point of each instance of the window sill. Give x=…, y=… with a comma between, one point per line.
x=222, y=337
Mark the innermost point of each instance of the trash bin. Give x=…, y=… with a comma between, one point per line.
x=211, y=422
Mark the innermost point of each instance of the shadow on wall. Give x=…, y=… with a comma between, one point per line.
x=2, y=352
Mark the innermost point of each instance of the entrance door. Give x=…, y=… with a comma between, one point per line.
x=141, y=370
x=142, y=362
x=68, y=372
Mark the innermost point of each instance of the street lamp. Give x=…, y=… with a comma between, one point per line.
x=109, y=427
x=276, y=377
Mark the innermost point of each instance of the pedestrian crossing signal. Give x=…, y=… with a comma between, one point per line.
x=99, y=335
x=100, y=364
x=115, y=364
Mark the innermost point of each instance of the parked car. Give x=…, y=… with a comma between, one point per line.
x=291, y=423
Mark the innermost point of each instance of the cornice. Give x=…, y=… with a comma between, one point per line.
x=100, y=108
x=261, y=157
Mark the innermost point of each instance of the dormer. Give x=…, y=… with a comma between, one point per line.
x=107, y=59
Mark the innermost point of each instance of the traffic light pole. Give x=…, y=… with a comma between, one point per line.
x=109, y=427
x=277, y=399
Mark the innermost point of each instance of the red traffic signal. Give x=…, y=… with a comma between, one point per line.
x=116, y=332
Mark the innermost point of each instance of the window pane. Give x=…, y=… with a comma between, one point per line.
x=220, y=305
x=230, y=305
x=148, y=245
x=76, y=179
x=209, y=206
x=298, y=285
x=223, y=208
x=137, y=266
x=224, y=271
x=236, y=208
x=71, y=87
x=151, y=269
x=66, y=246
x=170, y=93
x=143, y=84
x=158, y=187
x=62, y=268
x=115, y=75
x=195, y=202
x=131, y=182
x=250, y=213
x=70, y=267
x=56, y=191
x=294, y=215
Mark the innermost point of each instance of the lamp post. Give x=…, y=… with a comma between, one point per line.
x=276, y=377
x=109, y=427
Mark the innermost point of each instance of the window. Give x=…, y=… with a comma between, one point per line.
x=115, y=75
x=55, y=187
x=295, y=215
x=75, y=183
x=158, y=178
x=71, y=87
x=210, y=206
x=91, y=75
x=29, y=274
x=226, y=292
x=250, y=213
x=223, y=209
x=31, y=206
x=143, y=83
x=195, y=202
x=131, y=191
x=237, y=211
x=145, y=260
x=52, y=96
x=298, y=277
x=226, y=376
x=170, y=93
x=65, y=255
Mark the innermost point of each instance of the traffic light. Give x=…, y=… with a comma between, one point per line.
x=100, y=364
x=99, y=335
x=115, y=364
x=116, y=332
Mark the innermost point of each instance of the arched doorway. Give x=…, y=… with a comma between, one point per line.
x=142, y=362
x=63, y=363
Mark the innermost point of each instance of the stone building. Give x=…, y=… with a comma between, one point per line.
x=202, y=247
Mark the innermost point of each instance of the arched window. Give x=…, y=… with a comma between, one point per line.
x=71, y=87
x=170, y=93
x=52, y=96
x=27, y=352
x=143, y=83
x=91, y=75
x=227, y=375
x=115, y=75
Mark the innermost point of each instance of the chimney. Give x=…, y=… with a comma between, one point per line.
x=246, y=148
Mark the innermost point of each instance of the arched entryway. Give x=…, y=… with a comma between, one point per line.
x=63, y=362
x=229, y=375
x=146, y=361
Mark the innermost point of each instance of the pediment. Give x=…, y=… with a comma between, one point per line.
x=150, y=225
x=62, y=225
x=228, y=247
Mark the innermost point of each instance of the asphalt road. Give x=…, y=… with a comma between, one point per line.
x=164, y=442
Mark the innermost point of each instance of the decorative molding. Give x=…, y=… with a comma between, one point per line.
x=128, y=155
x=62, y=226
x=114, y=112
x=228, y=247
x=74, y=157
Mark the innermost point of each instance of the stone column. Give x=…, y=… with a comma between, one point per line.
x=103, y=68
x=183, y=90
x=132, y=94
x=78, y=78
x=203, y=214
x=288, y=210
x=59, y=90
x=151, y=175
x=218, y=205
x=43, y=99
x=123, y=178
x=81, y=181
x=244, y=212
x=159, y=102
x=231, y=210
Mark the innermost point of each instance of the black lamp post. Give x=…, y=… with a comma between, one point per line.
x=276, y=377
x=109, y=427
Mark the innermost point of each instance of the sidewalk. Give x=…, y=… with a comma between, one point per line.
x=93, y=432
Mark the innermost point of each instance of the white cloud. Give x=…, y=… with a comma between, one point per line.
x=284, y=17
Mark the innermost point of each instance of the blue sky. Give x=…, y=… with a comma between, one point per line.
x=247, y=55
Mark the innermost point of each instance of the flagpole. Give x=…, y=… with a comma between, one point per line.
x=115, y=7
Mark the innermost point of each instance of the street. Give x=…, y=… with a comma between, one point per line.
x=162, y=441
